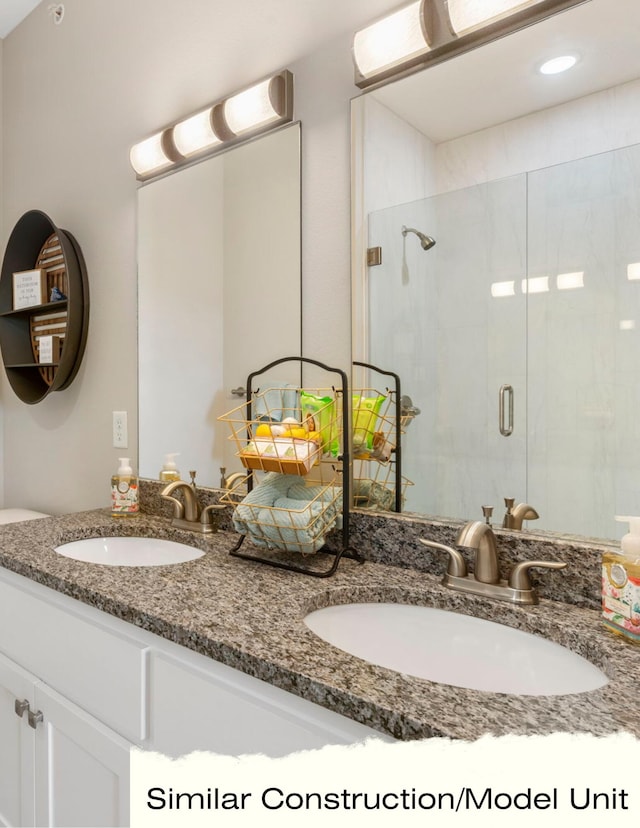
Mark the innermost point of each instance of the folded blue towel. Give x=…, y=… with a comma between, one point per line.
x=284, y=514
x=275, y=402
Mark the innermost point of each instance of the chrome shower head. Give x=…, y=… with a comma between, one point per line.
x=425, y=241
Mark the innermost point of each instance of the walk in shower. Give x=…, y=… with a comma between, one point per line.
x=518, y=337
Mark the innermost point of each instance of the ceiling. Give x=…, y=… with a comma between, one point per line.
x=13, y=12
x=442, y=103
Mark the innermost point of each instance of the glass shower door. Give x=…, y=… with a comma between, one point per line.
x=584, y=343
x=451, y=321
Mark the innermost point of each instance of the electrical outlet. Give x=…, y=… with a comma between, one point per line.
x=120, y=435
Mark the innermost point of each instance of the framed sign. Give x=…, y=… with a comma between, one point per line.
x=29, y=288
x=49, y=348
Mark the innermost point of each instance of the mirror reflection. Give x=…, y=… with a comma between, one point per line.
x=218, y=295
x=515, y=333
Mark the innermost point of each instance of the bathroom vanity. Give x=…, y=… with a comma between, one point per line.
x=214, y=654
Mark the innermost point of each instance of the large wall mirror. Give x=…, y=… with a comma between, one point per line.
x=517, y=334
x=219, y=296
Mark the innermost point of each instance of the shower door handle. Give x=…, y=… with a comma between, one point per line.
x=505, y=390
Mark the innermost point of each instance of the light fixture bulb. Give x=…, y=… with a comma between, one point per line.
x=633, y=271
x=149, y=155
x=250, y=109
x=390, y=41
x=195, y=134
x=466, y=15
x=570, y=281
x=558, y=64
x=499, y=289
x=538, y=284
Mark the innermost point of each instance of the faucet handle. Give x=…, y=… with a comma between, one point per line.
x=487, y=511
x=519, y=577
x=507, y=521
x=178, y=507
x=206, y=516
x=457, y=564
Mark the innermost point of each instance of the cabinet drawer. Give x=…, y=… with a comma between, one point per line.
x=103, y=672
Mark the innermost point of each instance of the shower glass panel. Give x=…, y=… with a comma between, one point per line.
x=584, y=343
x=451, y=321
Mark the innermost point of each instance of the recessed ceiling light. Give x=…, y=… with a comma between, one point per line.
x=558, y=64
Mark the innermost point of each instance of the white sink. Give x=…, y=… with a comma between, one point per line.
x=455, y=649
x=129, y=551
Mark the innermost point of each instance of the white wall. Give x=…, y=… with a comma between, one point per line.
x=76, y=97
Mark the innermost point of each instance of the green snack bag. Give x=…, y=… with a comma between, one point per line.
x=365, y=416
x=320, y=414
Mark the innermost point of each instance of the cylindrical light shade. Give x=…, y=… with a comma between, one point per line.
x=390, y=41
x=264, y=106
x=466, y=15
x=195, y=134
x=149, y=155
x=250, y=109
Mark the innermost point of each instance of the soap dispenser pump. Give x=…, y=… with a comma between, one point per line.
x=169, y=470
x=124, y=491
x=621, y=584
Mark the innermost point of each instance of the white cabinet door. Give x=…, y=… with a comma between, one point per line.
x=16, y=746
x=98, y=667
x=198, y=704
x=81, y=767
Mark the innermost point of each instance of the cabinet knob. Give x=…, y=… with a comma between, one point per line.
x=20, y=706
x=34, y=718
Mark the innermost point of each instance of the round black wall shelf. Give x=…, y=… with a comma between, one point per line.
x=56, y=262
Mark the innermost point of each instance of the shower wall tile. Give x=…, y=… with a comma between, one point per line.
x=593, y=124
x=399, y=161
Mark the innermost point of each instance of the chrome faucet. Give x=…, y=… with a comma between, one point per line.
x=485, y=579
x=514, y=515
x=187, y=513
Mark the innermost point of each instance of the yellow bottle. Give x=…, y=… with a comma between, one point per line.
x=169, y=470
x=621, y=585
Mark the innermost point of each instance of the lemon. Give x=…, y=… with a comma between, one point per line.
x=263, y=430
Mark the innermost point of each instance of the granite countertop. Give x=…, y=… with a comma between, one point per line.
x=250, y=617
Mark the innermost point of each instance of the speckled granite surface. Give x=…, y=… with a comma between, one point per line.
x=250, y=617
x=394, y=539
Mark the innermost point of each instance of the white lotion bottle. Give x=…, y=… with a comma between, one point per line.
x=124, y=491
x=169, y=470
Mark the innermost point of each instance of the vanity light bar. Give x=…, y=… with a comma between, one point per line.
x=429, y=31
x=539, y=284
x=466, y=15
x=391, y=41
x=263, y=106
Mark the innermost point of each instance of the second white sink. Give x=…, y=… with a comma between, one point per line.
x=129, y=551
x=455, y=649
